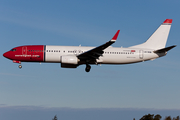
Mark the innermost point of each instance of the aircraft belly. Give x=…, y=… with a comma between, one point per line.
x=150, y=56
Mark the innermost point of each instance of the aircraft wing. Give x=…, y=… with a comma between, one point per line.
x=95, y=53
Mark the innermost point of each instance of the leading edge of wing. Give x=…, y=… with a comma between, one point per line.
x=98, y=51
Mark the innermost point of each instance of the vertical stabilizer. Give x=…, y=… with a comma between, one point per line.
x=159, y=38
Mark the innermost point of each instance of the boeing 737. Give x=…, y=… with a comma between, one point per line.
x=73, y=56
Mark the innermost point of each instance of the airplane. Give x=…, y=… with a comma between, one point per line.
x=74, y=56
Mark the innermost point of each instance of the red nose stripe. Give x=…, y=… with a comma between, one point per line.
x=30, y=53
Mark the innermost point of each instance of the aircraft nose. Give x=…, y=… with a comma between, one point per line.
x=6, y=54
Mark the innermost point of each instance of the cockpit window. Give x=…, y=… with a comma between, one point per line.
x=13, y=50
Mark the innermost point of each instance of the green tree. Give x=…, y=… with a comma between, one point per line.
x=168, y=118
x=151, y=117
x=157, y=117
x=147, y=117
x=177, y=118
x=55, y=118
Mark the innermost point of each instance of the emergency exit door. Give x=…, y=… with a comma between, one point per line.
x=141, y=54
x=24, y=50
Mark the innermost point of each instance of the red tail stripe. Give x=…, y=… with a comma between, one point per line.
x=168, y=21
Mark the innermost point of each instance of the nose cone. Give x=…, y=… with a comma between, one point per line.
x=6, y=55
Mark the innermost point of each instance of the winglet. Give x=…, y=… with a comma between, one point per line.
x=115, y=36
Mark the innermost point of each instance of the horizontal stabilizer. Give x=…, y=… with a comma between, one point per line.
x=164, y=49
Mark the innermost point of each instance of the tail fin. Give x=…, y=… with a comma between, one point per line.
x=159, y=38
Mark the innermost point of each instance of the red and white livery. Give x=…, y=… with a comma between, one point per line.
x=73, y=56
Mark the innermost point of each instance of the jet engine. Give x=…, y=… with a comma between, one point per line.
x=69, y=61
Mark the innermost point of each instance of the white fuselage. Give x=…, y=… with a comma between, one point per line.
x=112, y=55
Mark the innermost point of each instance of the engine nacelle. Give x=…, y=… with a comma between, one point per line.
x=69, y=60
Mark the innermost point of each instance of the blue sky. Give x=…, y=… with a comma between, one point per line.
x=147, y=85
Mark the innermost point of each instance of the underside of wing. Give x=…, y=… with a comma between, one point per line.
x=93, y=54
